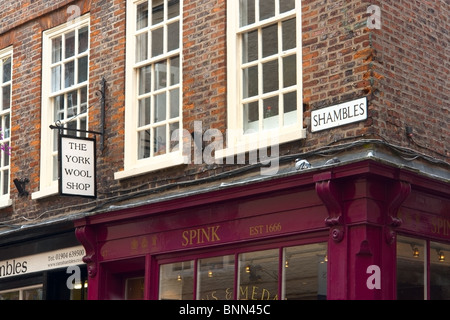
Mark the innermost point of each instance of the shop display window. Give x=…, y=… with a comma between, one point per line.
x=297, y=273
x=439, y=271
x=28, y=293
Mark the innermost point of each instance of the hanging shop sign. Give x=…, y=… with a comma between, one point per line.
x=339, y=115
x=77, y=166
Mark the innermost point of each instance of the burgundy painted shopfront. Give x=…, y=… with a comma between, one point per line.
x=360, y=230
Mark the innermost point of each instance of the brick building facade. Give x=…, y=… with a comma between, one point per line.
x=223, y=67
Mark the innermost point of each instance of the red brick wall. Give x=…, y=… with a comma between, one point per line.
x=403, y=69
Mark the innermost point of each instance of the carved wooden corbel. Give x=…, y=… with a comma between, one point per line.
x=397, y=195
x=327, y=192
x=86, y=235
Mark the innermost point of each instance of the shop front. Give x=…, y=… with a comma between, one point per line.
x=338, y=232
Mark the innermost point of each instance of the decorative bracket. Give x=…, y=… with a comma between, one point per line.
x=398, y=194
x=327, y=192
x=86, y=235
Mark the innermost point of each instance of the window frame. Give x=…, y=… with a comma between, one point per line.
x=237, y=140
x=5, y=199
x=134, y=166
x=47, y=185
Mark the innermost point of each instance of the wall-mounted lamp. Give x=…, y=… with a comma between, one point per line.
x=441, y=255
x=415, y=250
x=20, y=186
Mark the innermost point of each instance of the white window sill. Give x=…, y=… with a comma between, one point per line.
x=5, y=202
x=150, y=165
x=45, y=192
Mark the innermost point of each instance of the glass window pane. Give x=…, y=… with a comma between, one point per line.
x=82, y=69
x=270, y=76
x=174, y=9
x=286, y=5
x=250, y=82
x=145, y=77
x=289, y=34
x=142, y=16
x=83, y=39
x=289, y=71
x=6, y=97
x=6, y=126
x=69, y=74
x=270, y=40
x=58, y=107
x=160, y=140
x=176, y=281
x=173, y=34
x=5, y=181
x=144, y=112
x=439, y=271
x=6, y=70
x=160, y=107
x=174, y=103
x=157, y=11
x=174, y=71
x=270, y=113
x=134, y=289
x=266, y=9
x=72, y=103
x=175, y=137
x=258, y=275
x=290, y=108
x=83, y=100
x=56, y=78
x=5, y=153
x=250, y=46
x=305, y=272
x=144, y=144
x=157, y=42
x=70, y=44
x=56, y=49
x=141, y=47
x=247, y=10
x=32, y=294
x=160, y=75
x=410, y=268
x=11, y=295
x=215, y=278
x=251, y=117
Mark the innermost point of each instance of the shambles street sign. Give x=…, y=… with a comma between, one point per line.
x=339, y=115
x=77, y=166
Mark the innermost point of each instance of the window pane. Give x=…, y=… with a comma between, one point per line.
x=250, y=82
x=251, y=117
x=82, y=69
x=70, y=44
x=6, y=127
x=6, y=70
x=158, y=11
x=289, y=34
x=247, y=10
x=145, y=78
x=58, y=107
x=175, y=137
x=56, y=49
x=173, y=34
x=289, y=71
x=160, y=107
x=410, y=268
x=32, y=294
x=250, y=47
x=439, y=271
x=157, y=42
x=12, y=295
x=5, y=153
x=141, y=47
x=270, y=76
x=290, y=108
x=6, y=97
x=144, y=144
x=161, y=75
x=174, y=9
x=69, y=74
x=56, y=78
x=72, y=104
x=160, y=140
x=144, y=112
x=174, y=71
x=134, y=289
x=286, y=5
x=305, y=272
x=83, y=100
x=174, y=103
x=215, y=278
x=266, y=9
x=258, y=275
x=83, y=39
x=176, y=281
x=142, y=16
x=270, y=113
x=5, y=181
x=270, y=40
